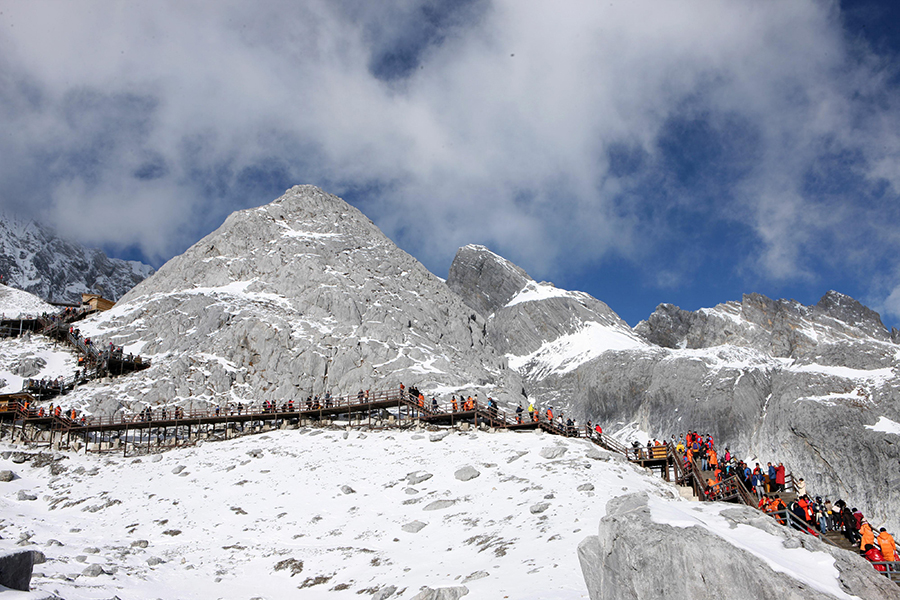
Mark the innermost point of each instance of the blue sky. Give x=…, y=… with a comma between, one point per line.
x=643, y=151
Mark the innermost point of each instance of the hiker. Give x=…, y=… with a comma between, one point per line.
x=887, y=546
x=454, y=404
x=434, y=404
x=866, y=535
x=873, y=554
x=779, y=477
x=519, y=411
x=771, y=475
x=800, y=487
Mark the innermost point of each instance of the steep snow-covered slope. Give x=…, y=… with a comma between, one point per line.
x=34, y=259
x=334, y=514
x=241, y=508
x=301, y=296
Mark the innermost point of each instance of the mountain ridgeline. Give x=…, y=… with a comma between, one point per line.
x=34, y=259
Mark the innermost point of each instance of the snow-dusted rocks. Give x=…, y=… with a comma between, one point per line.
x=466, y=473
x=448, y=593
x=300, y=297
x=648, y=548
x=552, y=452
x=414, y=526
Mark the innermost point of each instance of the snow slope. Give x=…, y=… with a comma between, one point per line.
x=240, y=516
x=15, y=304
x=49, y=360
x=232, y=519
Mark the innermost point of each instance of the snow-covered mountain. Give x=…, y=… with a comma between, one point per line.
x=302, y=296
x=817, y=387
x=332, y=514
x=33, y=258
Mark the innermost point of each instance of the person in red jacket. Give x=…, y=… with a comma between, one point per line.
x=873, y=554
x=779, y=477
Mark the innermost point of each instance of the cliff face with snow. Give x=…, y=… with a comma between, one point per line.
x=817, y=387
x=301, y=296
x=34, y=259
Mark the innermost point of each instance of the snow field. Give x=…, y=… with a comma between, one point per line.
x=228, y=519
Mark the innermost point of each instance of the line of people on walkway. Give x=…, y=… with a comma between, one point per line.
x=806, y=513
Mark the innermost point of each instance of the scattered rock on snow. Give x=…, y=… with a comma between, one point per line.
x=91, y=550
x=23, y=495
x=7, y=475
x=413, y=526
x=475, y=575
x=466, y=473
x=156, y=458
x=450, y=593
x=436, y=437
x=384, y=593
x=178, y=469
x=347, y=489
x=539, y=507
x=551, y=452
x=440, y=504
x=154, y=560
x=93, y=571
x=255, y=453
x=418, y=477
x=140, y=544
x=586, y=487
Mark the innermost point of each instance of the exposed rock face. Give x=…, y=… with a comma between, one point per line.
x=34, y=259
x=781, y=328
x=16, y=567
x=302, y=296
x=635, y=558
x=484, y=280
x=544, y=330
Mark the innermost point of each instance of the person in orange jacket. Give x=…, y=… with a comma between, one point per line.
x=550, y=414
x=867, y=535
x=887, y=545
x=712, y=459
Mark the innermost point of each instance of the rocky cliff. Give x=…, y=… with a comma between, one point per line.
x=301, y=296
x=647, y=548
x=33, y=258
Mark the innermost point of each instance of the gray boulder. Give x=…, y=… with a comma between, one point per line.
x=439, y=505
x=466, y=473
x=552, y=452
x=94, y=570
x=26, y=496
x=384, y=593
x=16, y=568
x=448, y=593
x=615, y=562
x=7, y=475
x=538, y=508
x=414, y=526
x=418, y=477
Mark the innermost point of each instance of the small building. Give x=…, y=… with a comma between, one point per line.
x=96, y=302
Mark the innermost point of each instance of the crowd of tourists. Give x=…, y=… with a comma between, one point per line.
x=806, y=512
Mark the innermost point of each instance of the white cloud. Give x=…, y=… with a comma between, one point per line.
x=500, y=137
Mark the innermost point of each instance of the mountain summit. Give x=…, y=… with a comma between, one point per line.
x=298, y=297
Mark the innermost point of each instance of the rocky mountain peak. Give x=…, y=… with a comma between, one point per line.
x=301, y=296
x=485, y=281
x=852, y=312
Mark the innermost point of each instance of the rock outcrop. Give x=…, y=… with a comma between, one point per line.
x=16, y=567
x=637, y=556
